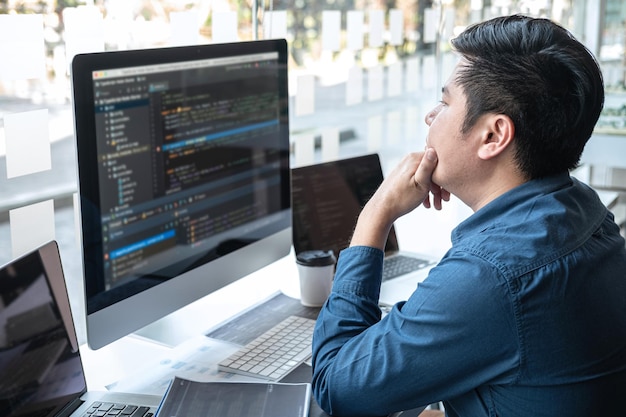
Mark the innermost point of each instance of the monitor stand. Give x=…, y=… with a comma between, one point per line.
x=207, y=313
x=169, y=331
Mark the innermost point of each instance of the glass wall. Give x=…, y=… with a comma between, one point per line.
x=363, y=73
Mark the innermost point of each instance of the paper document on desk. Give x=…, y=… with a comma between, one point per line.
x=235, y=399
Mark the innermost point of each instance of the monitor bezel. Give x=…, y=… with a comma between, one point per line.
x=131, y=314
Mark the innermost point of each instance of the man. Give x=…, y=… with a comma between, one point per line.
x=526, y=313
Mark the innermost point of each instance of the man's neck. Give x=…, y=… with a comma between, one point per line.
x=498, y=182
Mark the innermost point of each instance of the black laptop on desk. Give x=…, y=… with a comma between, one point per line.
x=326, y=201
x=41, y=373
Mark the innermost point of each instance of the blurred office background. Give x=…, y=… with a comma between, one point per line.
x=363, y=73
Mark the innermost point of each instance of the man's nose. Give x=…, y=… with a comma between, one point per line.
x=430, y=116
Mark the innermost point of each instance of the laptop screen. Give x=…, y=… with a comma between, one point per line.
x=40, y=370
x=327, y=199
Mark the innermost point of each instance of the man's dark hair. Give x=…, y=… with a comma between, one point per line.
x=539, y=75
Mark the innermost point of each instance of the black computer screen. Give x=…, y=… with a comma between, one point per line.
x=327, y=199
x=183, y=158
x=40, y=367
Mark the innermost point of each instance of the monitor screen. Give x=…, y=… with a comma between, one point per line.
x=183, y=168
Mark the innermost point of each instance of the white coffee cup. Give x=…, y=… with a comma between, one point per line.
x=316, y=270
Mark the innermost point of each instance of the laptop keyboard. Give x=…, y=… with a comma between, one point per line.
x=102, y=409
x=400, y=264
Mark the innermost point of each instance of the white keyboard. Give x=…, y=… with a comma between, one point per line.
x=275, y=353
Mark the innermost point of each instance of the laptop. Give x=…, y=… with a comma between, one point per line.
x=41, y=373
x=327, y=199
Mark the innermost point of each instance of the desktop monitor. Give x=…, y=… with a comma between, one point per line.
x=183, y=174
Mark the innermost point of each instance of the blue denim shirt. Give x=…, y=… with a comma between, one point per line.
x=524, y=316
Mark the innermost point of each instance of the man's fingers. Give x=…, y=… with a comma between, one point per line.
x=425, y=170
x=445, y=195
x=423, y=181
x=426, y=202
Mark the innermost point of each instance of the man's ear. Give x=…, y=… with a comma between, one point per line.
x=497, y=136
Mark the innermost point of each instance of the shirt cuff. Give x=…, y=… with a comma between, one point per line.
x=359, y=272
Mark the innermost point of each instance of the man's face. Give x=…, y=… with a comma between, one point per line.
x=454, y=149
